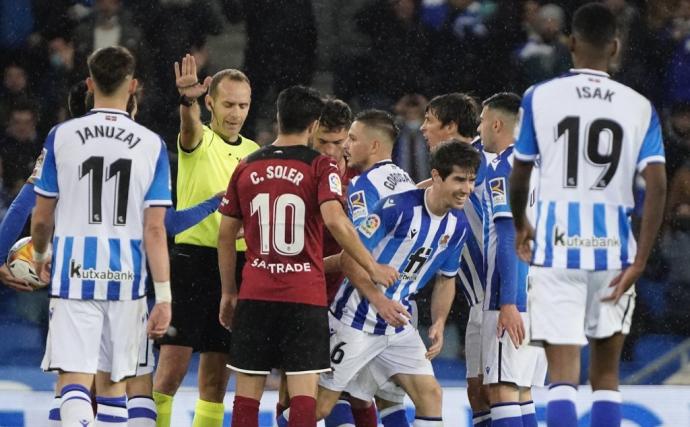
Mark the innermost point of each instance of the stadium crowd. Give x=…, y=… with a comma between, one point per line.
x=393, y=55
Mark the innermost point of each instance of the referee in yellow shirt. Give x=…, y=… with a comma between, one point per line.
x=207, y=156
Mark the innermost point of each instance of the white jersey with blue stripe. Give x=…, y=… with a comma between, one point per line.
x=498, y=206
x=472, y=274
x=401, y=232
x=381, y=180
x=592, y=135
x=104, y=169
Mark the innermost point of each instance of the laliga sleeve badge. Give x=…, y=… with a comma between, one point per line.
x=334, y=184
x=370, y=225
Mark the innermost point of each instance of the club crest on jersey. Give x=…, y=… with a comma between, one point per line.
x=443, y=242
x=358, y=207
x=334, y=184
x=498, y=191
x=370, y=225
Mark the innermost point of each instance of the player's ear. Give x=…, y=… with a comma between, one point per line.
x=90, y=84
x=313, y=127
x=133, y=84
x=435, y=176
x=208, y=100
x=615, y=46
x=572, y=41
x=452, y=128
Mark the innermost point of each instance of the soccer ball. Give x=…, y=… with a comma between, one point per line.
x=20, y=261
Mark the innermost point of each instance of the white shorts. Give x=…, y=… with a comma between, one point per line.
x=365, y=387
x=352, y=350
x=524, y=366
x=87, y=336
x=565, y=305
x=473, y=342
x=146, y=359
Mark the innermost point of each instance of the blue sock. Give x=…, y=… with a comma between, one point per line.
x=481, y=419
x=560, y=411
x=606, y=409
x=506, y=414
x=282, y=419
x=395, y=416
x=529, y=416
x=340, y=416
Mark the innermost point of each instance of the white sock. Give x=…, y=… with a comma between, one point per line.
x=142, y=412
x=75, y=406
x=428, y=422
x=54, y=414
x=112, y=411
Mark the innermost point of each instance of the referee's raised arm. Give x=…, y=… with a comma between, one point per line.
x=191, y=128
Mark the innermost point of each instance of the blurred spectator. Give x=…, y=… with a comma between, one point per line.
x=19, y=147
x=460, y=50
x=677, y=138
x=411, y=152
x=14, y=90
x=545, y=55
x=280, y=51
x=60, y=74
x=109, y=24
x=400, y=51
x=16, y=23
x=675, y=248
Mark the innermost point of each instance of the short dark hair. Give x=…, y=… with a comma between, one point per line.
x=379, y=120
x=230, y=74
x=110, y=66
x=595, y=24
x=508, y=102
x=336, y=115
x=298, y=107
x=458, y=108
x=76, y=99
x=454, y=153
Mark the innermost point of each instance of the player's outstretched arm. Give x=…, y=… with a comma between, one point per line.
x=156, y=247
x=178, y=221
x=652, y=215
x=227, y=263
x=519, y=194
x=344, y=233
x=394, y=313
x=10, y=229
x=442, y=298
x=189, y=87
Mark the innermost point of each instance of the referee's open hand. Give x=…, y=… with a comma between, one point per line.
x=186, y=80
x=159, y=320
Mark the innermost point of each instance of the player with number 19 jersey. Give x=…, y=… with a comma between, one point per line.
x=585, y=198
x=106, y=170
x=277, y=192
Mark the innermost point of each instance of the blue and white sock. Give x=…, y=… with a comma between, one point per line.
x=111, y=412
x=75, y=405
x=394, y=416
x=54, y=413
x=481, y=419
x=560, y=409
x=141, y=411
x=427, y=422
x=529, y=414
x=506, y=414
x=606, y=409
x=341, y=415
x=283, y=419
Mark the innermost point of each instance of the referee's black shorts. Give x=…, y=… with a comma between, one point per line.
x=196, y=291
x=282, y=335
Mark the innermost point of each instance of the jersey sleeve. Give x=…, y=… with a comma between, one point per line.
x=526, y=148
x=652, y=149
x=230, y=204
x=47, y=183
x=497, y=189
x=362, y=197
x=380, y=221
x=329, y=185
x=451, y=265
x=159, y=193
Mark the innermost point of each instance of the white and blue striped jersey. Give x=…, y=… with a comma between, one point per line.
x=472, y=274
x=401, y=232
x=498, y=206
x=592, y=134
x=104, y=169
x=381, y=180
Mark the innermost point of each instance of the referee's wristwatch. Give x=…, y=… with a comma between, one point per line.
x=186, y=101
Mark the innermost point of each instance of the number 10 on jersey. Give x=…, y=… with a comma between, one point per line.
x=281, y=223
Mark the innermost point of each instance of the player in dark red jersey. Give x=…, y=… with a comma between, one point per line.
x=279, y=195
